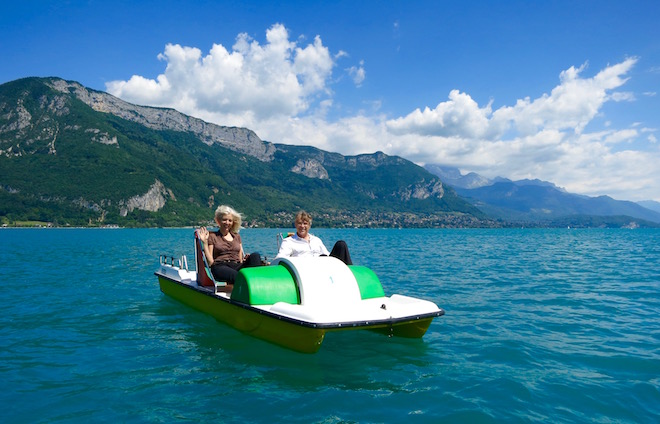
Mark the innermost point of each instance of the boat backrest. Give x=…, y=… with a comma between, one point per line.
x=318, y=281
x=322, y=281
x=368, y=282
x=204, y=276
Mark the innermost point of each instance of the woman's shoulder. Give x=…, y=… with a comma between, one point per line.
x=215, y=235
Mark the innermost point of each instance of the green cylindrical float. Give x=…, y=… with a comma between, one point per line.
x=265, y=285
x=368, y=282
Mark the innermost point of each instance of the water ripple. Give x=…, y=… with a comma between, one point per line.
x=540, y=325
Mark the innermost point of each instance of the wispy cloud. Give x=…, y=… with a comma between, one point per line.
x=357, y=73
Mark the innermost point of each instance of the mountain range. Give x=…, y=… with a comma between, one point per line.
x=536, y=200
x=72, y=156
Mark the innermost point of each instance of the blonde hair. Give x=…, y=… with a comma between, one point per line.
x=303, y=216
x=228, y=210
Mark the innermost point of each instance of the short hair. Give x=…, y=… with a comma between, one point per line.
x=228, y=210
x=303, y=216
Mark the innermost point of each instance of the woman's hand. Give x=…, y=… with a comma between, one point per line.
x=203, y=234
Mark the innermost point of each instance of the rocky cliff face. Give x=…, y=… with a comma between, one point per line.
x=423, y=191
x=152, y=201
x=22, y=133
x=238, y=139
x=311, y=168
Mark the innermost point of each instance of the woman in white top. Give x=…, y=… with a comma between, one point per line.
x=305, y=244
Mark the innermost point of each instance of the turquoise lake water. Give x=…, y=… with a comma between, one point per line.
x=552, y=325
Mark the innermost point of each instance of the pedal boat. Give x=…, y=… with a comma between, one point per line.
x=294, y=302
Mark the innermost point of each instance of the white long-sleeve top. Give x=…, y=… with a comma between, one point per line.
x=293, y=246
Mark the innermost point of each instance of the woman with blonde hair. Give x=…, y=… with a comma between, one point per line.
x=223, y=249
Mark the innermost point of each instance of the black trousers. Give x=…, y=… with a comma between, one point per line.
x=340, y=251
x=227, y=271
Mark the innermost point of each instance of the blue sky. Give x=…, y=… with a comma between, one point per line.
x=563, y=91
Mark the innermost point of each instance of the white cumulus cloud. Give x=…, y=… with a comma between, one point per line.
x=542, y=138
x=250, y=83
x=283, y=90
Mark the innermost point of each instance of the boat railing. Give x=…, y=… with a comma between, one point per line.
x=180, y=262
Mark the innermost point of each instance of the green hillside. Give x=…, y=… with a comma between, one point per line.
x=64, y=163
